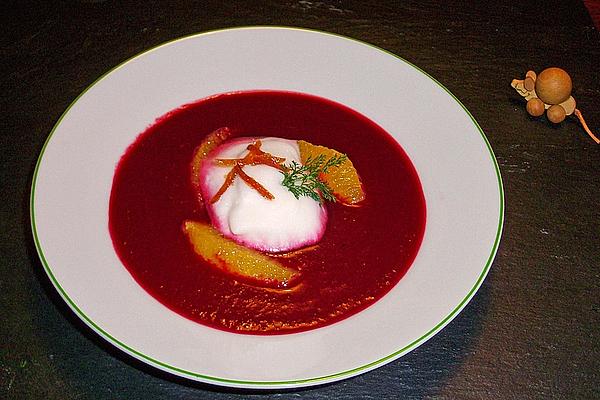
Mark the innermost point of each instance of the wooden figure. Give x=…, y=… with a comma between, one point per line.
x=550, y=92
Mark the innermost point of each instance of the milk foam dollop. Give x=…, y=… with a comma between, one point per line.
x=241, y=213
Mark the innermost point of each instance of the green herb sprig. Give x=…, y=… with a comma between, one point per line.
x=303, y=179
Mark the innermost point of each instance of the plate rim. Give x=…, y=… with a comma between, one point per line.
x=281, y=383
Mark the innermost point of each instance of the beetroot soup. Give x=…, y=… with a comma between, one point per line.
x=364, y=251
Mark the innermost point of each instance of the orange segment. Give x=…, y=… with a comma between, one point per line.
x=343, y=180
x=232, y=258
x=209, y=143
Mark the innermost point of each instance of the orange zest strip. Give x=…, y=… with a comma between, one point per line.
x=226, y=162
x=254, y=184
x=259, y=159
x=255, y=156
x=228, y=181
x=267, y=159
x=585, y=127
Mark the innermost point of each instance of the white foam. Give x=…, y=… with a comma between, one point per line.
x=244, y=215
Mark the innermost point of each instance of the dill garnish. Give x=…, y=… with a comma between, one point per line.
x=303, y=179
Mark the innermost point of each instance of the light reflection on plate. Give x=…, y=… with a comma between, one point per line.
x=457, y=168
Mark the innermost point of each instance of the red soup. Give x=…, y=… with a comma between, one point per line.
x=365, y=250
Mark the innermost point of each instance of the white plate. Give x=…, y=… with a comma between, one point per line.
x=459, y=173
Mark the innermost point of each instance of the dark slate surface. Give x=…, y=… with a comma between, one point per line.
x=532, y=331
